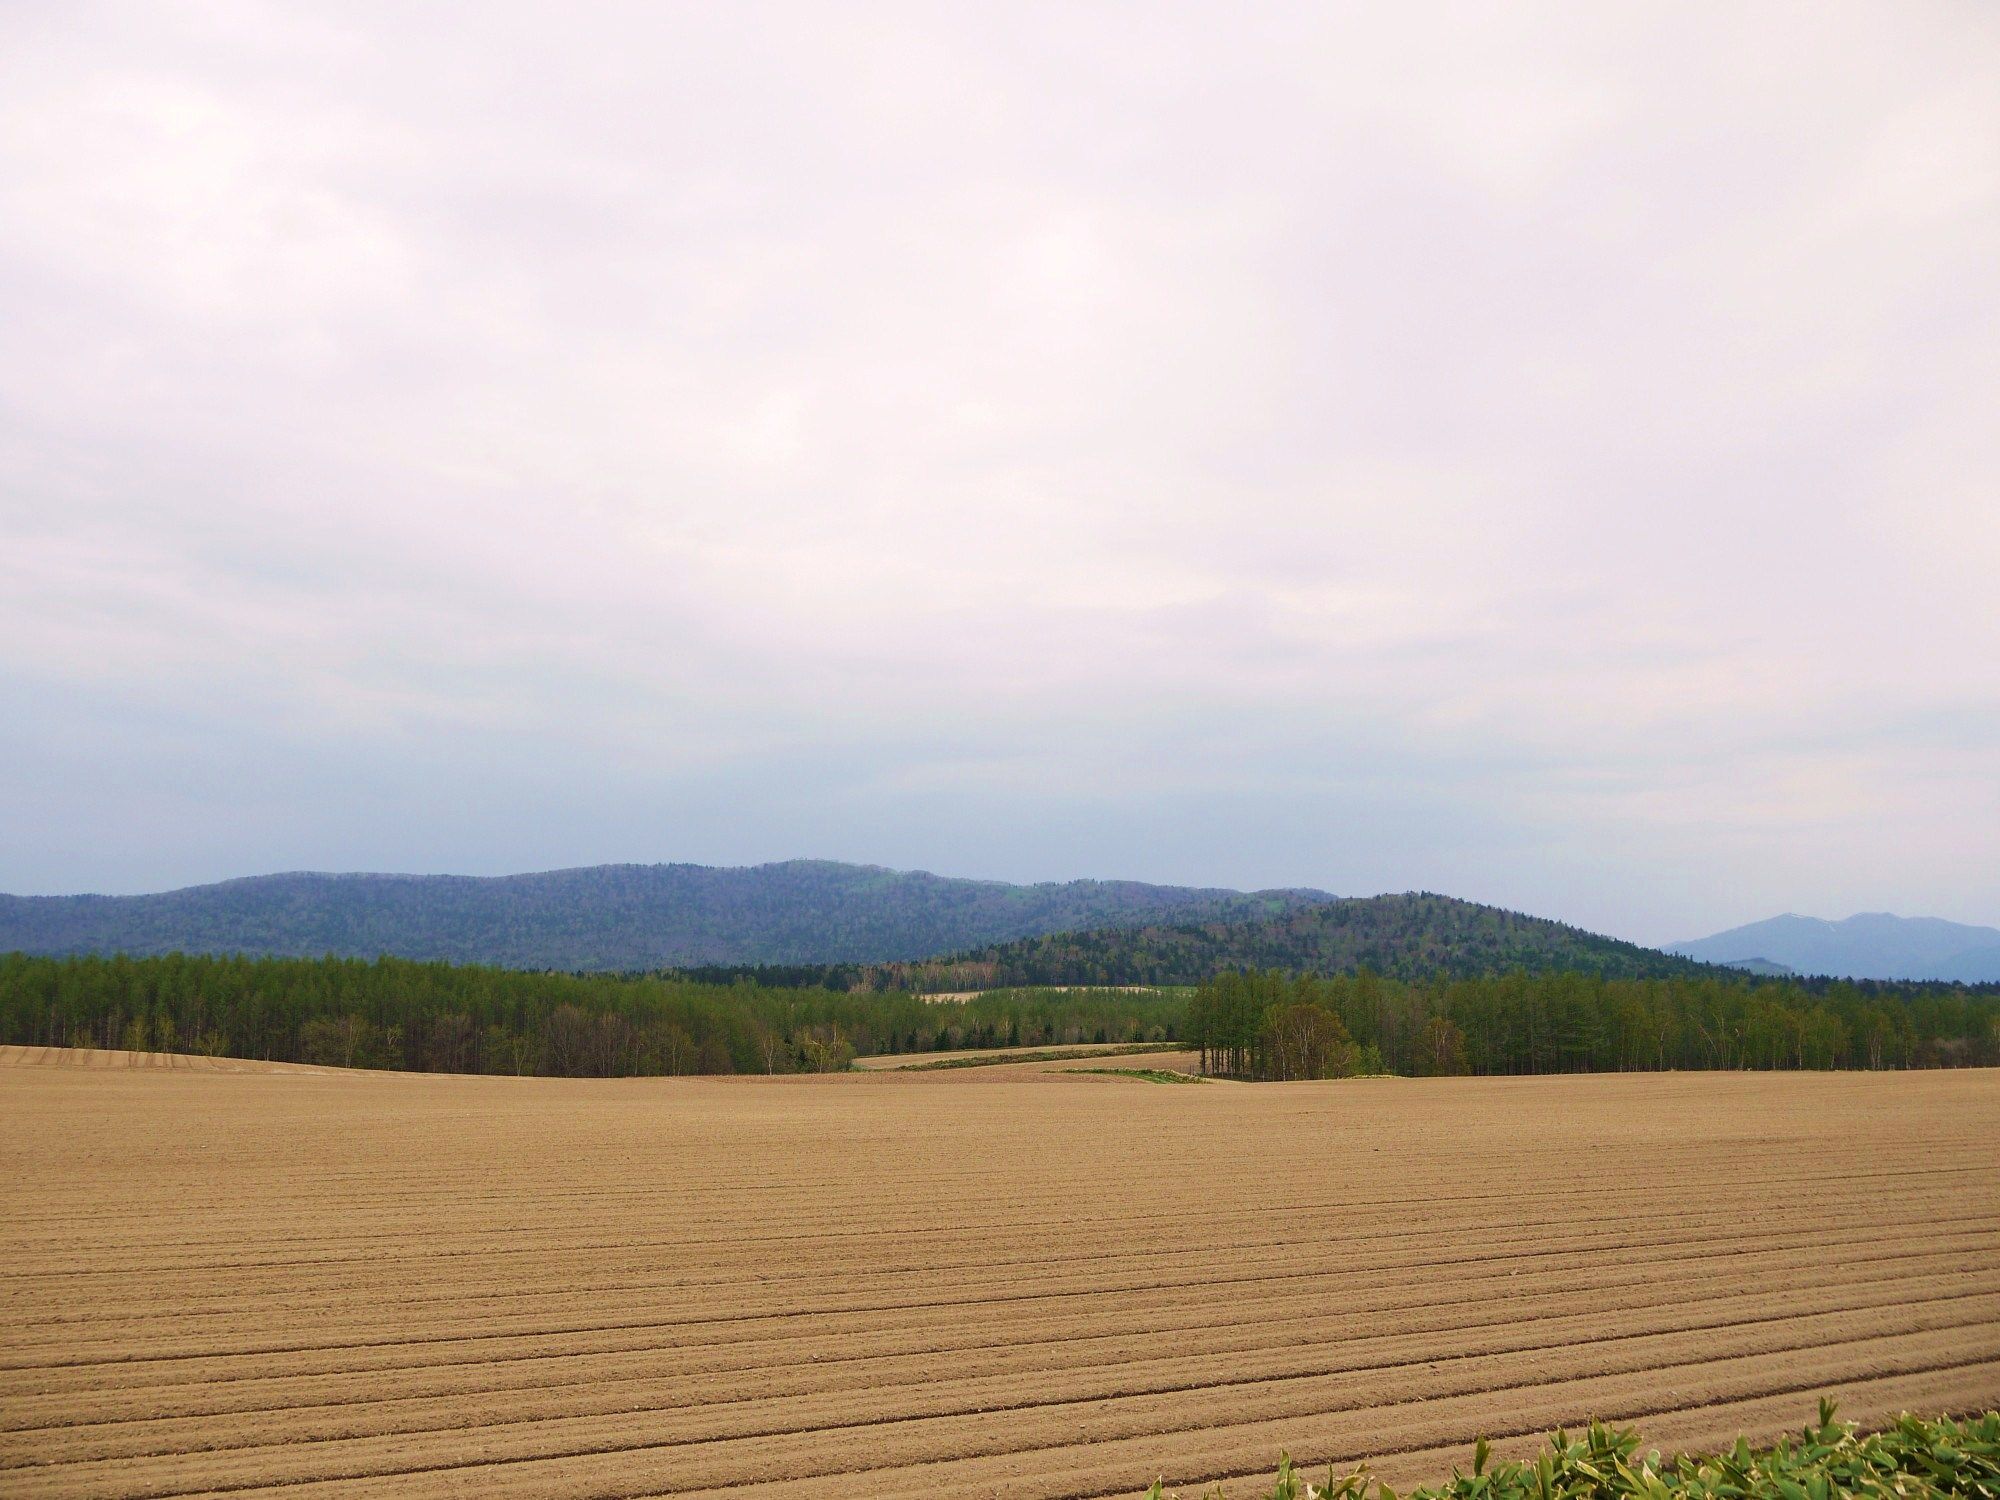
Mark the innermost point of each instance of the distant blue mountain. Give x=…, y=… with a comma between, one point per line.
x=1872, y=945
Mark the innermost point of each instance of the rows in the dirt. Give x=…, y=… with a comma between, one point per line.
x=417, y=1240
x=223, y=1221
x=475, y=1178
x=1299, y=1264
x=820, y=1344
x=1955, y=1279
x=971, y=1323
x=672, y=1321
x=257, y=1206
x=1225, y=1274
x=1037, y=1373
x=226, y=1223
x=361, y=1181
x=325, y=1305
x=1373, y=1408
x=1199, y=1277
x=239, y=1238
x=813, y=1358
x=1403, y=1444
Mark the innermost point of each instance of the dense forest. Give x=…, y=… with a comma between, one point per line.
x=1279, y=1027
x=393, y=1013
x=1412, y=936
x=608, y=917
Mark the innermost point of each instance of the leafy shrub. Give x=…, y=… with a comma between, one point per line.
x=1912, y=1460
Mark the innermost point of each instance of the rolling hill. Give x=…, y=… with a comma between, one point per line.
x=1871, y=945
x=1416, y=935
x=609, y=917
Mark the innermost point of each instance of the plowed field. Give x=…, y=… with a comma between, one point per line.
x=1015, y=1280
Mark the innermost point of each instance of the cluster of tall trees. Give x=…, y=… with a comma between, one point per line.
x=1275, y=1026
x=395, y=1013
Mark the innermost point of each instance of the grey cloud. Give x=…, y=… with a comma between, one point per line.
x=1544, y=454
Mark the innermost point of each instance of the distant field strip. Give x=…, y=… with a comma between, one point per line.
x=1009, y=1056
x=1015, y=1280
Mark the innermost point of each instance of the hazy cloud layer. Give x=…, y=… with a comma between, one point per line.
x=1546, y=454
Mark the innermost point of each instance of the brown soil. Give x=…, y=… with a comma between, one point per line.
x=228, y=1276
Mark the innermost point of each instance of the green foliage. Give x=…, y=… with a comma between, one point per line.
x=392, y=1013
x=1149, y=1075
x=1912, y=1460
x=1251, y=1025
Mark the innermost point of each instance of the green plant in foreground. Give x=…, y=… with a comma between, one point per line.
x=1911, y=1460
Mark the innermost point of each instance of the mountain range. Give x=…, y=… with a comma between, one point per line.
x=847, y=923
x=612, y=917
x=1871, y=945
x=824, y=922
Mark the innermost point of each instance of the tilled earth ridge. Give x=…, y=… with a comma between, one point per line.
x=1015, y=1280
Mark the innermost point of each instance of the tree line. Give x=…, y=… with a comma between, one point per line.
x=397, y=1013
x=435, y=1017
x=1281, y=1027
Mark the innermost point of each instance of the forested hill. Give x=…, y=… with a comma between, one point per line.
x=1411, y=936
x=609, y=917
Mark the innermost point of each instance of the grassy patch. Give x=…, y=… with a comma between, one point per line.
x=1914, y=1459
x=1151, y=1075
x=1041, y=1054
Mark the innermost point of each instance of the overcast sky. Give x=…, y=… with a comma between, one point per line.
x=1545, y=454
